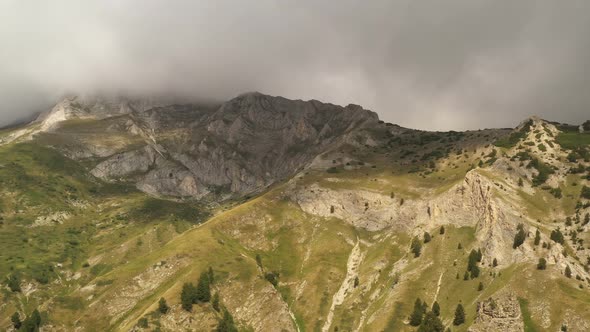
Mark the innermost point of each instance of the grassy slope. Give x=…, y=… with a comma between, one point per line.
x=37, y=181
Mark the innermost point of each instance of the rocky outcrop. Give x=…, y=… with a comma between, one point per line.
x=498, y=313
x=242, y=146
x=126, y=164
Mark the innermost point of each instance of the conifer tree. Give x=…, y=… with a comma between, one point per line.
x=226, y=324
x=203, y=291
x=427, y=237
x=416, y=247
x=459, y=315
x=16, y=322
x=480, y=287
x=14, y=282
x=436, y=308
x=163, y=307
x=416, y=316
x=187, y=296
x=557, y=236
x=442, y=230
x=542, y=265
x=36, y=317
x=568, y=271
x=519, y=237
x=431, y=323
x=215, y=302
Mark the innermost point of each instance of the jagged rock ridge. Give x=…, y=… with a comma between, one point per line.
x=246, y=144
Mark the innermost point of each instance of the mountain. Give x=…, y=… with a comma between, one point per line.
x=299, y=215
x=241, y=147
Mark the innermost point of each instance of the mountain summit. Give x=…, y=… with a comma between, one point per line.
x=242, y=146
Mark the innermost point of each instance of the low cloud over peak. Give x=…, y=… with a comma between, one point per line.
x=430, y=65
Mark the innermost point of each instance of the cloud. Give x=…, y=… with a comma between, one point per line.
x=423, y=64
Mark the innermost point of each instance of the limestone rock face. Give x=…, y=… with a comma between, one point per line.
x=239, y=147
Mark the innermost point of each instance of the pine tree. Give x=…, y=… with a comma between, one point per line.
x=472, y=260
x=480, y=287
x=431, y=323
x=36, y=317
x=32, y=322
x=427, y=237
x=424, y=307
x=163, y=307
x=459, y=315
x=442, y=230
x=215, y=302
x=16, y=322
x=459, y=246
x=557, y=236
x=436, y=308
x=568, y=271
x=519, y=237
x=14, y=282
x=416, y=247
x=537, y=237
x=259, y=260
x=542, y=265
x=520, y=182
x=466, y=276
x=226, y=324
x=416, y=316
x=474, y=257
x=203, y=292
x=495, y=262
x=187, y=296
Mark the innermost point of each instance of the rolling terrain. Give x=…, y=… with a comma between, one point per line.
x=310, y=217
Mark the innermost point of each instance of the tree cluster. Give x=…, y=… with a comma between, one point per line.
x=557, y=236
x=474, y=258
x=200, y=294
x=30, y=324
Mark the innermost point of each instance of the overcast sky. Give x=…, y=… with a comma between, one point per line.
x=423, y=64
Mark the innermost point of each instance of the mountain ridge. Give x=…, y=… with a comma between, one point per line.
x=310, y=216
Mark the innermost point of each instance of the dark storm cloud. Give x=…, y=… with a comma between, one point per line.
x=423, y=64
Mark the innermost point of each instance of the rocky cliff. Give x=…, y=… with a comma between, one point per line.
x=242, y=146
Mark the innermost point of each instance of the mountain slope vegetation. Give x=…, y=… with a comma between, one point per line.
x=291, y=216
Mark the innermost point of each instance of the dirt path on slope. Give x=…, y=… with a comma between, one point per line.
x=347, y=285
x=438, y=286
